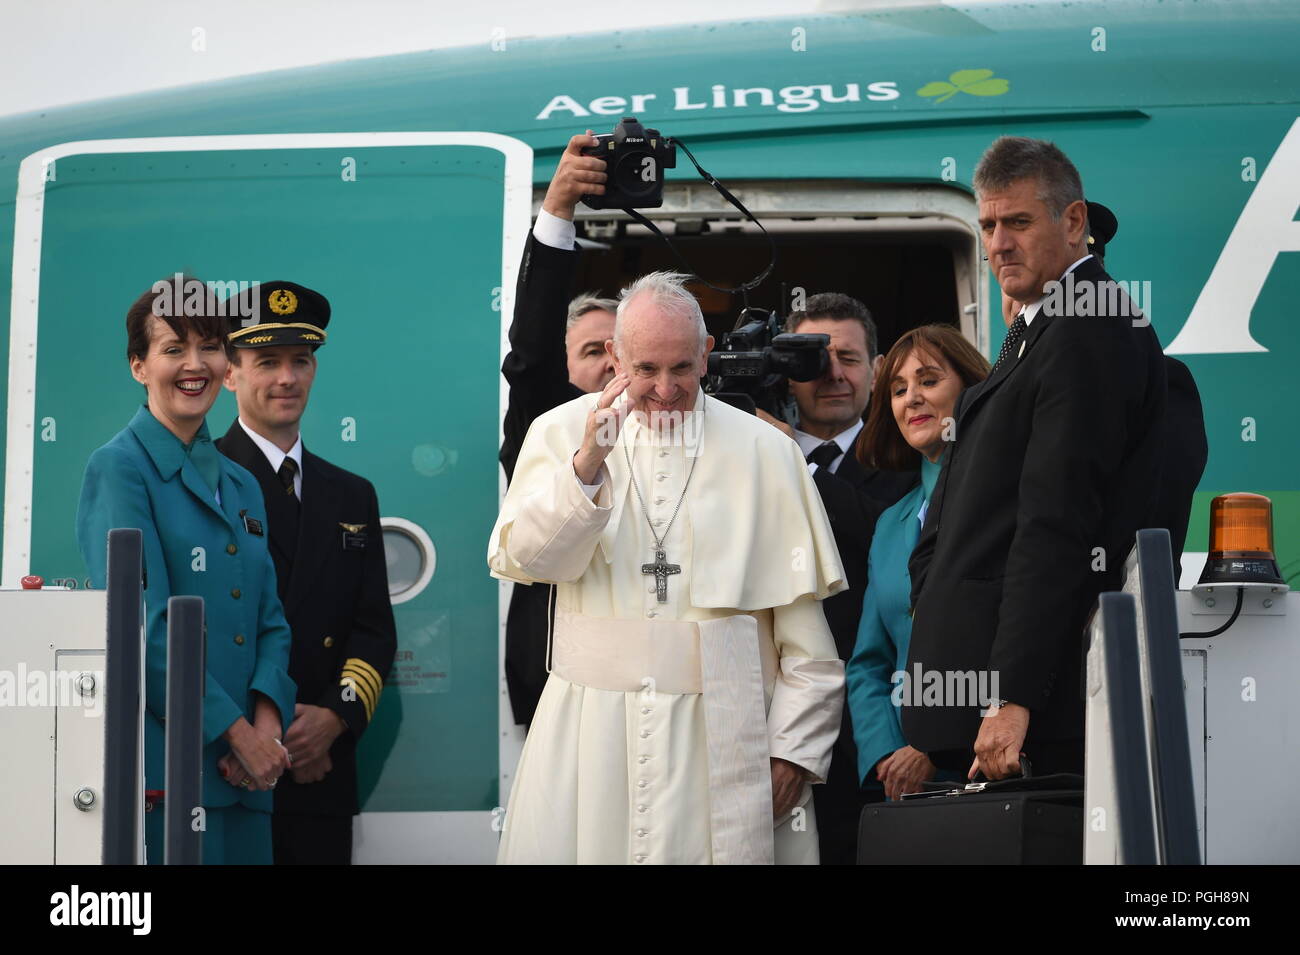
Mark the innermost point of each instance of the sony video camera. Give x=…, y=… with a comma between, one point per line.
x=749, y=369
x=635, y=160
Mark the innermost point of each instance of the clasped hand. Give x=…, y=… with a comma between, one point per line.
x=312, y=733
x=256, y=759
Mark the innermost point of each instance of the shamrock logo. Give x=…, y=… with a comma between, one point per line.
x=975, y=82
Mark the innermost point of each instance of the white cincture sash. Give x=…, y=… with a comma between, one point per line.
x=732, y=662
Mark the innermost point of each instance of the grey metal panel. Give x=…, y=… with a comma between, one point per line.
x=1251, y=731
x=50, y=638
x=1194, y=694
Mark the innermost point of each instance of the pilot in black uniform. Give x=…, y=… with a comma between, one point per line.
x=328, y=551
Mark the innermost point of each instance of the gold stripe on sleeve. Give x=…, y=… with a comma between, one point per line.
x=367, y=674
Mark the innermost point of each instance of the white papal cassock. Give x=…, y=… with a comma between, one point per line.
x=652, y=739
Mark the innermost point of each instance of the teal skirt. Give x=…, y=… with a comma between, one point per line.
x=233, y=835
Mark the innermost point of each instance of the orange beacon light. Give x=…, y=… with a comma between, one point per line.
x=1241, y=543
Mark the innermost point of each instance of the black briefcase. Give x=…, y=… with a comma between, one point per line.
x=1030, y=820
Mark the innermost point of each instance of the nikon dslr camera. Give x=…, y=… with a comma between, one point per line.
x=635, y=160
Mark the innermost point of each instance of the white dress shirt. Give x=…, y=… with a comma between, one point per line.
x=553, y=231
x=276, y=457
x=810, y=442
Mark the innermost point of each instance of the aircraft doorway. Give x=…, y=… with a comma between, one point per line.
x=909, y=252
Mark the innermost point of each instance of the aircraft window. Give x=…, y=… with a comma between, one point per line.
x=411, y=558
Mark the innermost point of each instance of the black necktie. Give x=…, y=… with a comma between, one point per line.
x=824, y=455
x=288, y=470
x=1014, y=334
x=286, y=516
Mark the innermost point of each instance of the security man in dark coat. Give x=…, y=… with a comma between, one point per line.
x=328, y=550
x=1056, y=465
x=1186, y=447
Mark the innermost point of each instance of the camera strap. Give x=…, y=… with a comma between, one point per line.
x=726, y=194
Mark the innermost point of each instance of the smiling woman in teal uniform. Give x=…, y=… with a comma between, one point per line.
x=915, y=393
x=204, y=527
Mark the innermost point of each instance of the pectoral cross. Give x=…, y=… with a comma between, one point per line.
x=661, y=569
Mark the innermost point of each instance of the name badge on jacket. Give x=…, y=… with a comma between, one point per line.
x=252, y=524
x=354, y=536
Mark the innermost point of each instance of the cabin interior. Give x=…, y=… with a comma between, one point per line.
x=909, y=252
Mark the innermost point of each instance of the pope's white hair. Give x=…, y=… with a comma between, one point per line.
x=668, y=291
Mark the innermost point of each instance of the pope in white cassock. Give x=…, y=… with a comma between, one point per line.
x=694, y=691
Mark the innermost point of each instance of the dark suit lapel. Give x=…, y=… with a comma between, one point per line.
x=1090, y=271
x=322, y=501
x=850, y=470
x=977, y=394
x=239, y=447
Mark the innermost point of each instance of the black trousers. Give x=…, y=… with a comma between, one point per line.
x=299, y=839
x=1045, y=757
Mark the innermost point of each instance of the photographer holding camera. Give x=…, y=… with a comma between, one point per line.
x=831, y=410
x=557, y=352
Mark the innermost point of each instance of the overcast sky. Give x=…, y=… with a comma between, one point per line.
x=65, y=51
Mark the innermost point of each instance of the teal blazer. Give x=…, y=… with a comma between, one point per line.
x=192, y=547
x=885, y=629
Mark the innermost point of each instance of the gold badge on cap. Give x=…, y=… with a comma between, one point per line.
x=283, y=302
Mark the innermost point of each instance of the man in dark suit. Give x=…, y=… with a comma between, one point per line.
x=830, y=420
x=328, y=549
x=557, y=352
x=1056, y=465
x=1187, y=449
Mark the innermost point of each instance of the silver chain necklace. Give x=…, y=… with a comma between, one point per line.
x=660, y=569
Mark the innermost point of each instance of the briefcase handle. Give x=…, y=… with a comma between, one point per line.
x=935, y=787
x=1026, y=772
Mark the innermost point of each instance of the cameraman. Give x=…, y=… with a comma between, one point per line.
x=557, y=352
x=831, y=412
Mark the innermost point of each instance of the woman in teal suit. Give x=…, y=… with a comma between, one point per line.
x=914, y=395
x=204, y=528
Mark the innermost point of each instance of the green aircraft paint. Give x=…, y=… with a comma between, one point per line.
x=1184, y=122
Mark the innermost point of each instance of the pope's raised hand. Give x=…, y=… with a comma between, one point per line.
x=604, y=423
